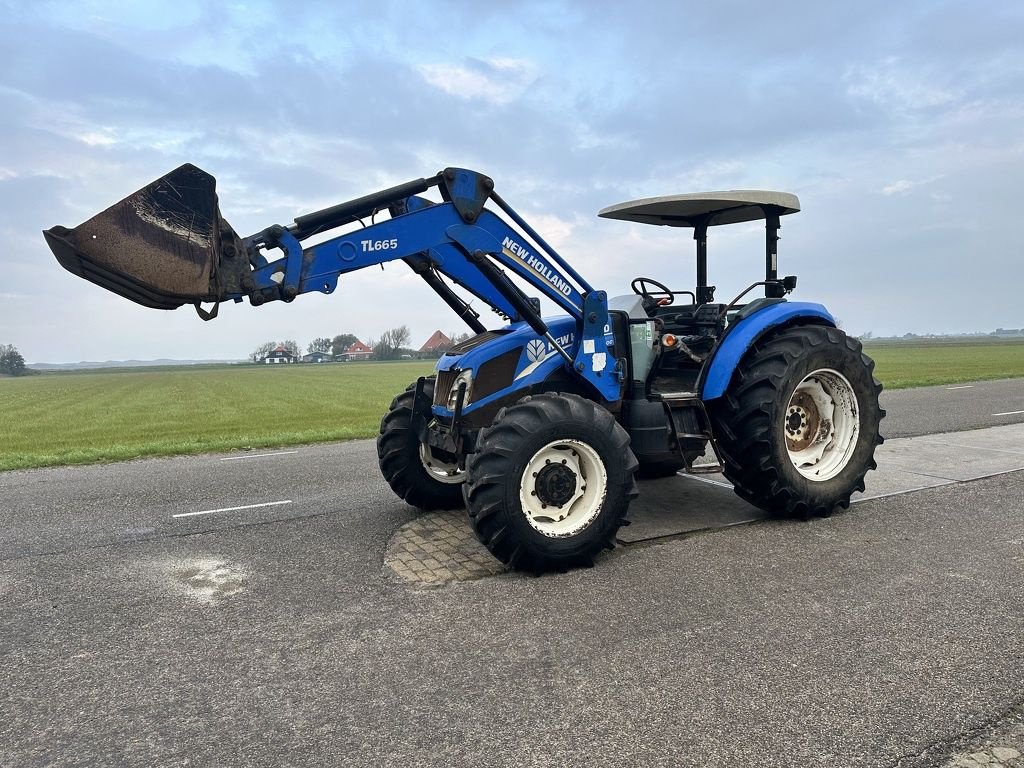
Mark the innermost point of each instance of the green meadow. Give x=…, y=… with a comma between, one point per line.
x=112, y=415
x=926, y=362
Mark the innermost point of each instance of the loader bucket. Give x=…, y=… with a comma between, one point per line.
x=160, y=247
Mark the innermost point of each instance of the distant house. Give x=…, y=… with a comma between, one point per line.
x=280, y=354
x=317, y=357
x=435, y=345
x=356, y=351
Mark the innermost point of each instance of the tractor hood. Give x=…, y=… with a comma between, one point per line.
x=499, y=360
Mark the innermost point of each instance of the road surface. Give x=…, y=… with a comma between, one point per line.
x=137, y=631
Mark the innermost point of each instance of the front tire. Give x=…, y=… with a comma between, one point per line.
x=550, y=482
x=798, y=427
x=415, y=472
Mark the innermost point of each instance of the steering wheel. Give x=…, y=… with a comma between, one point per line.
x=659, y=298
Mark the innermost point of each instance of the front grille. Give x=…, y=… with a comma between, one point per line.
x=443, y=385
x=474, y=342
x=496, y=373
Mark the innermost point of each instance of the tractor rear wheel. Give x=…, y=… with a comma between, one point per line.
x=798, y=426
x=415, y=471
x=550, y=482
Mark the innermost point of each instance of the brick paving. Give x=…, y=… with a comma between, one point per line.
x=438, y=548
x=1001, y=748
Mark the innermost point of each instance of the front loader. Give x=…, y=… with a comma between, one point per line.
x=540, y=426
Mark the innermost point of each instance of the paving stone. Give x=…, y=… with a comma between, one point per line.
x=1000, y=747
x=441, y=546
x=438, y=548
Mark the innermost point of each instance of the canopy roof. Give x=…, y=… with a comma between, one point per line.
x=731, y=207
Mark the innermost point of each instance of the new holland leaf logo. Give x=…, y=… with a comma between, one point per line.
x=536, y=350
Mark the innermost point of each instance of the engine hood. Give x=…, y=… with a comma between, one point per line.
x=509, y=360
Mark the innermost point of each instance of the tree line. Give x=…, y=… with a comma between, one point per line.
x=392, y=344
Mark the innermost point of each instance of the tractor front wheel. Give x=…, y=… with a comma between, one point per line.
x=550, y=482
x=415, y=471
x=798, y=426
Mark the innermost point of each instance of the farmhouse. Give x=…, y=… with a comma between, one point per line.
x=280, y=354
x=435, y=345
x=356, y=351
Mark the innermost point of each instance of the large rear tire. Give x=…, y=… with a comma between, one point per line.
x=798, y=426
x=550, y=482
x=415, y=472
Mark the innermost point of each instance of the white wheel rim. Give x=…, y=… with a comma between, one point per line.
x=442, y=471
x=563, y=488
x=821, y=424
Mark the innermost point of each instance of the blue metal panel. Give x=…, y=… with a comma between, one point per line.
x=393, y=239
x=531, y=264
x=742, y=336
x=538, y=358
x=453, y=263
x=542, y=242
x=534, y=269
x=595, y=359
x=437, y=229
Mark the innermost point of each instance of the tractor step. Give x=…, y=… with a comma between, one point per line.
x=680, y=401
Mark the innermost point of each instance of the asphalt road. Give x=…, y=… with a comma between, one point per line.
x=273, y=636
x=953, y=408
x=62, y=509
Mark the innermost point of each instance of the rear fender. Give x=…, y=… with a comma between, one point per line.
x=742, y=335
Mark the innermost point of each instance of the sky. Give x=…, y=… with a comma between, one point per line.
x=899, y=126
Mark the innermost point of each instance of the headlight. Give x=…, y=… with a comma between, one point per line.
x=453, y=394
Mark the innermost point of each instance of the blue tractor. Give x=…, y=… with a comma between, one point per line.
x=542, y=426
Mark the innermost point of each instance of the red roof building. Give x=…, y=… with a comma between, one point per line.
x=437, y=341
x=356, y=351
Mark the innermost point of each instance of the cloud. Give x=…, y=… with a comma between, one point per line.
x=892, y=84
x=496, y=80
x=906, y=118
x=903, y=186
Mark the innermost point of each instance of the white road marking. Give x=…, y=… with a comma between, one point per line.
x=233, y=509
x=259, y=455
x=707, y=480
x=965, y=386
x=1008, y=413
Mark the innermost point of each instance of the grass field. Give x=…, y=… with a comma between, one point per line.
x=925, y=362
x=76, y=418
x=122, y=414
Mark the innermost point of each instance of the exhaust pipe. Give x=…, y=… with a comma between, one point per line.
x=163, y=247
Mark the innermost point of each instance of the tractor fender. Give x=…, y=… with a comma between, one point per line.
x=742, y=335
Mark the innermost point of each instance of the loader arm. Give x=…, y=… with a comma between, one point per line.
x=437, y=235
x=145, y=246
